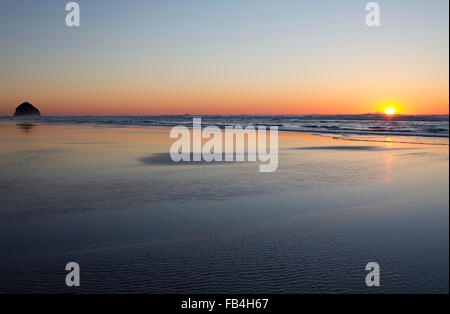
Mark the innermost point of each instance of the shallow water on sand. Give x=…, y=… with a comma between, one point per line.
x=111, y=200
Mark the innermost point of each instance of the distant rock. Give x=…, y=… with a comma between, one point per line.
x=27, y=109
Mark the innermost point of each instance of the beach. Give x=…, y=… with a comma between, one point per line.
x=111, y=199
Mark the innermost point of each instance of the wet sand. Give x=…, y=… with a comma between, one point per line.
x=112, y=200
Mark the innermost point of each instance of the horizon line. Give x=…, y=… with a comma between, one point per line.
x=220, y=114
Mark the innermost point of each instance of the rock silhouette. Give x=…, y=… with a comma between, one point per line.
x=26, y=109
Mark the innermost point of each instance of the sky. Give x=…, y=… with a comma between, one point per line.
x=145, y=57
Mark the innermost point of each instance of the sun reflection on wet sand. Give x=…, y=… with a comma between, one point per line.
x=388, y=165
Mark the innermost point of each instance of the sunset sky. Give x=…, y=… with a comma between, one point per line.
x=224, y=57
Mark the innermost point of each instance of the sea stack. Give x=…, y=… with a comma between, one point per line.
x=26, y=109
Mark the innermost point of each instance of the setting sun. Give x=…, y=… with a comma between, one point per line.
x=389, y=111
x=390, y=108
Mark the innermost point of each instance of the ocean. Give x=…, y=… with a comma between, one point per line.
x=423, y=129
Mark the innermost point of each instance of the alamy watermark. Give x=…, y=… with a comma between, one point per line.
x=226, y=146
x=73, y=277
x=373, y=18
x=373, y=277
x=73, y=17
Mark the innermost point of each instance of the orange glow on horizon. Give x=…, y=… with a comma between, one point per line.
x=139, y=102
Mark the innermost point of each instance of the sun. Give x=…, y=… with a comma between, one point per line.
x=390, y=108
x=389, y=111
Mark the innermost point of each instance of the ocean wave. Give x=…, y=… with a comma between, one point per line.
x=414, y=127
